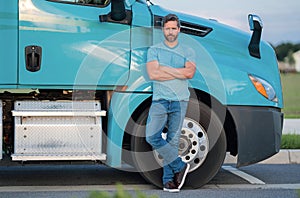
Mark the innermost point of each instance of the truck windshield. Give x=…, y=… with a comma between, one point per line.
x=85, y=2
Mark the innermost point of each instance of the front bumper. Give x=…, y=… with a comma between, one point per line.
x=259, y=131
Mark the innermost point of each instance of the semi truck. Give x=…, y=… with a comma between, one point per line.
x=74, y=88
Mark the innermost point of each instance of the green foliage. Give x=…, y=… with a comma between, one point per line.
x=298, y=192
x=290, y=141
x=291, y=95
x=120, y=193
x=290, y=58
x=284, y=49
x=99, y=195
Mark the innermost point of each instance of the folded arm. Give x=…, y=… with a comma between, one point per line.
x=162, y=73
x=187, y=72
x=157, y=72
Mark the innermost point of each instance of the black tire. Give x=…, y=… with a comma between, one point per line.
x=146, y=161
x=142, y=154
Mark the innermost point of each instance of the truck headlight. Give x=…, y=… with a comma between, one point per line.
x=264, y=88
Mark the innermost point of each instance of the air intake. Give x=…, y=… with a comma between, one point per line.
x=186, y=27
x=194, y=29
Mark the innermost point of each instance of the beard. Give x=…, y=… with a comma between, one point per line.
x=171, y=37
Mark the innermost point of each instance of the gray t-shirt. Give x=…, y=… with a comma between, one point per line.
x=176, y=57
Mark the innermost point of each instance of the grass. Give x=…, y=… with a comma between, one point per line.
x=291, y=94
x=290, y=141
x=291, y=97
x=120, y=193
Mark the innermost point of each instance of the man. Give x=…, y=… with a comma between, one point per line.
x=169, y=66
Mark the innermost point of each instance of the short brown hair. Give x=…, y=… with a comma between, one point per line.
x=171, y=17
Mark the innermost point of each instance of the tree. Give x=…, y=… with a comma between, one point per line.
x=286, y=49
x=290, y=58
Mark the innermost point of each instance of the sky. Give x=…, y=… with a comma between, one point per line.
x=281, y=18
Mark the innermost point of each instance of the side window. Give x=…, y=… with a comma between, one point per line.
x=101, y=3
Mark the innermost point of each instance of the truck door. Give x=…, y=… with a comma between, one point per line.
x=64, y=44
x=142, y=32
x=8, y=41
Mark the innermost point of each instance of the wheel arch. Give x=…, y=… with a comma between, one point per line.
x=126, y=145
x=220, y=109
x=223, y=114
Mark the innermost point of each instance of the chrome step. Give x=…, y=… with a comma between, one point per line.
x=58, y=130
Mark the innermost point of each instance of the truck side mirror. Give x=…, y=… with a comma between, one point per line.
x=118, y=12
x=256, y=26
x=255, y=22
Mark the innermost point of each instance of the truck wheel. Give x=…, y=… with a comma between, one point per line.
x=202, y=145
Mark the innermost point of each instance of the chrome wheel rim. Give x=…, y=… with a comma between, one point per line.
x=193, y=144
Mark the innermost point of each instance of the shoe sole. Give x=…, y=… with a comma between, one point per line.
x=184, y=176
x=171, y=190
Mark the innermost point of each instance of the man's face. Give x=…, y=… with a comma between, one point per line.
x=171, y=31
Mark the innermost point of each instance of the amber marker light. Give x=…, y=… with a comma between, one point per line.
x=264, y=88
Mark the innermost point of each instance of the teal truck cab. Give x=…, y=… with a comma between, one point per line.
x=73, y=87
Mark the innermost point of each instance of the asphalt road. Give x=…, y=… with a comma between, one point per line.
x=77, y=181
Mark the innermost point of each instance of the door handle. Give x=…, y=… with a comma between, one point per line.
x=33, y=58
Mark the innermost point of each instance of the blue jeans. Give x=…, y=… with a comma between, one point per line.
x=169, y=114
